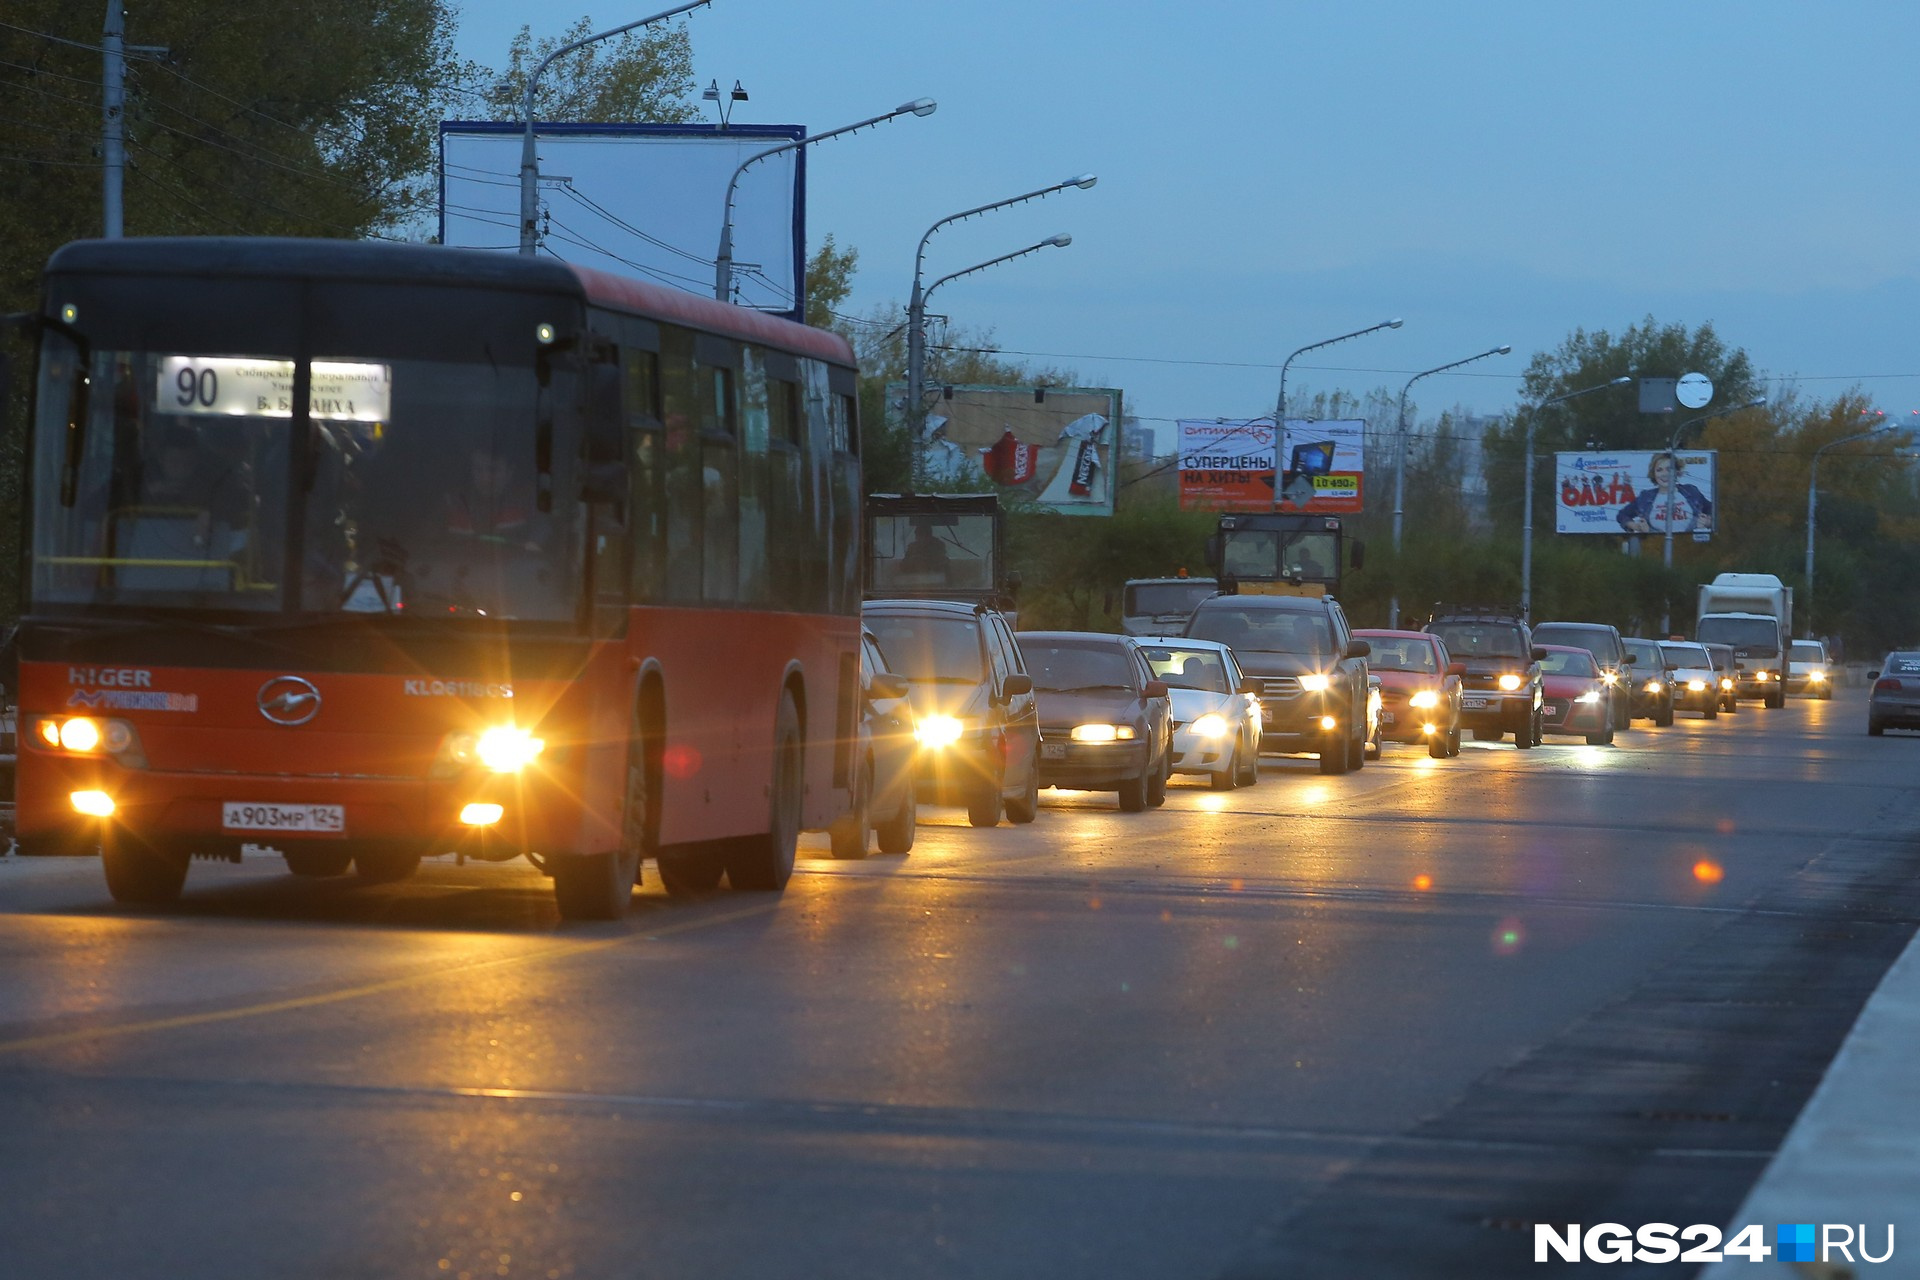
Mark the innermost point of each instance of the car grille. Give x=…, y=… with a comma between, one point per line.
x=1557, y=708
x=1278, y=687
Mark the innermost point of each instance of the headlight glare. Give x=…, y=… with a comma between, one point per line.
x=1510, y=682
x=80, y=734
x=1423, y=700
x=939, y=731
x=1101, y=732
x=1211, y=726
x=1610, y=677
x=1654, y=686
x=505, y=749
x=1590, y=697
x=1316, y=683
x=1696, y=686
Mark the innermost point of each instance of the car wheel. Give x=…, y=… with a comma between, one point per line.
x=1026, y=806
x=1826, y=693
x=1601, y=739
x=1333, y=753
x=318, y=862
x=1664, y=720
x=1712, y=712
x=1777, y=699
x=983, y=803
x=1157, y=785
x=1621, y=713
x=1874, y=730
x=1133, y=793
x=1229, y=775
x=139, y=872
x=895, y=835
x=1525, y=738
x=847, y=837
x=1250, y=764
x=1440, y=745
x=765, y=862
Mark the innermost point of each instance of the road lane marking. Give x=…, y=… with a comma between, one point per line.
x=28, y=1044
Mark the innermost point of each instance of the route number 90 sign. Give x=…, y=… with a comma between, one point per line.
x=225, y=386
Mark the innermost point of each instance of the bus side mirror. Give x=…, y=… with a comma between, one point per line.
x=1357, y=555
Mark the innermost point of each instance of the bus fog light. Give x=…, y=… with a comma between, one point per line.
x=95, y=804
x=481, y=815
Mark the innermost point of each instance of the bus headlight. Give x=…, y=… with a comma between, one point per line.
x=505, y=749
x=1509, y=682
x=86, y=735
x=1211, y=725
x=1424, y=700
x=938, y=731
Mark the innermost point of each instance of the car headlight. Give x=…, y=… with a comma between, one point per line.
x=938, y=731
x=1316, y=683
x=1654, y=686
x=1590, y=697
x=1510, y=682
x=1424, y=700
x=1611, y=677
x=1102, y=732
x=1696, y=686
x=1726, y=683
x=1762, y=676
x=1211, y=725
x=1816, y=675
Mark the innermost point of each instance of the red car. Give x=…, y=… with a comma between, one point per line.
x=1576, y=694
x=1419, y=689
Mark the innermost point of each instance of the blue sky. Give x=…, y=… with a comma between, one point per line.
x=1272, y=174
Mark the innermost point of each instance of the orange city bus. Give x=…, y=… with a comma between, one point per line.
x=364, y=552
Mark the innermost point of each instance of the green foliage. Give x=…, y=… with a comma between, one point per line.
x=1072, y=567
x=642, y=76
x=829, y=281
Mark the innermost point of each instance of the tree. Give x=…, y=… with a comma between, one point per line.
x=829, y=281
x=317, y=120
x=642, y=76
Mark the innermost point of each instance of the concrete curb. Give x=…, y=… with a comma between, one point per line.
x=1853, y=1156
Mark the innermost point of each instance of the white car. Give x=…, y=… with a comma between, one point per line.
x=1216, y=710
x=1807, y=669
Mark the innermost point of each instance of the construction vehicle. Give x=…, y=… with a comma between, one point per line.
x=938, y=546
x=1271, y=553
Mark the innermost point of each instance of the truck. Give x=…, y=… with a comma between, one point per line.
x=1752, y=612
x=938, y=546
x=1161, y=606
x=1274, y=553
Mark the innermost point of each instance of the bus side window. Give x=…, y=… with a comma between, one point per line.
x=719, y=473
x=790, y=534
x=680, y=416
x=843, y=429
x=755, y=477
x=646, y=443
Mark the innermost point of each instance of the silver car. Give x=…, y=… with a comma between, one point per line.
x=1895, y=700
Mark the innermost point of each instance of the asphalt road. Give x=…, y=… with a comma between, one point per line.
x=1354, y=1026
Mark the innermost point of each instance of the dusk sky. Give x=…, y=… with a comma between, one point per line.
x=1274, y=174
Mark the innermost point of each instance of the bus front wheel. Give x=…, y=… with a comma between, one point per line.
x=765, y=862
x=139, y=871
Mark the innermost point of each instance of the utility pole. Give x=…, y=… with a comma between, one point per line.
x=113, y=110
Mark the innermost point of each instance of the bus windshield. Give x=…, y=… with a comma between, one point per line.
x=1744, y=634
x=1166, y=599
x=1269, y=555
x=916, y=554
x=414, y=493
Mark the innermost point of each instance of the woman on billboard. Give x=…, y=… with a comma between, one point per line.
x=1668, y=505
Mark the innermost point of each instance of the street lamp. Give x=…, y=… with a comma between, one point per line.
x=1673, y=463
x=1813, y=483
x=917, y=305
x=1280, y=412
x=529, y=161
x=723, y=262
x=1400, y=464
x=1060, y=241
x=1526, y=532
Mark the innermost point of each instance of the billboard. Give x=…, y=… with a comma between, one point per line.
x=1243, y=464
x=637, y=200
x=1635, y=492
x=1051, y=445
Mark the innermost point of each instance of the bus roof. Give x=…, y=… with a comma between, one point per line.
x=386, y=262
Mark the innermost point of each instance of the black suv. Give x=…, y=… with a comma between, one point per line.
x=1501, y=692
x=1609, y=654
x=1312, y=672
x=973, y=706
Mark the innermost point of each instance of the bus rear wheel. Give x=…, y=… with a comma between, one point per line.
x=764, y=863
x=139, y=871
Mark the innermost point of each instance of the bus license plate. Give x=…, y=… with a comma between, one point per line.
x=306, y=819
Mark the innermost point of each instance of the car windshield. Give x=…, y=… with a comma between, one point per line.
x=1741, y=633
x=1165, y=599
x=1259, y=630
x=1401, y=653
x=1592, y=639
x=1804, y=652
x=1063, y=668
x=1559, y=663
x=1686, y=655
x=1481, y=639
x=415, y=494
x=1645, y=654
x=930, y=648
x=1203, y=669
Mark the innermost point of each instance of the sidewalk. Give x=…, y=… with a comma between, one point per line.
x=1854, y=1154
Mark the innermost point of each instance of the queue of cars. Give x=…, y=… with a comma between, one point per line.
x=961, y=709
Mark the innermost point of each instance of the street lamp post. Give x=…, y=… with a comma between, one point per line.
x=723, y=262
x=1673, y=444
x=1813, y=490
x=1059, y=241
x=1400, y=463
x=1526, y=531
x=529, y=160
x=917, y=308
x=1280, y=410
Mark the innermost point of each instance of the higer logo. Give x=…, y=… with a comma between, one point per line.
x=1830, y=1242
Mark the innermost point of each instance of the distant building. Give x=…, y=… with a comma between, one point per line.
x=1138, y=441
x=1474, y=489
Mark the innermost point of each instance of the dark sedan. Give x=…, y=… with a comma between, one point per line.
x=1105, y=723
x=1651, y=680
x=1894, y=702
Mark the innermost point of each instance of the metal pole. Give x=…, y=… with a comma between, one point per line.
x=113, y=119
x=1526, y=532
x=1280, y=409
x=529, y=161
x=1673, y=445
x=1813, y=488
